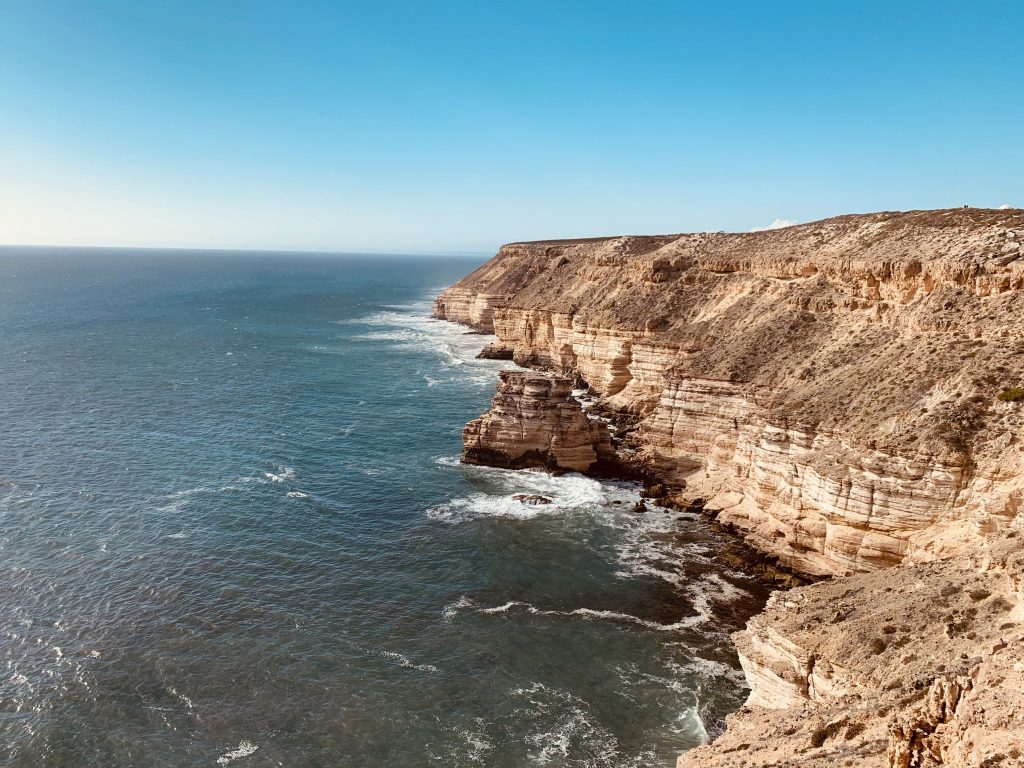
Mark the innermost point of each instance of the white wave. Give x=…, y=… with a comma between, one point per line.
x=569, y=493
x=587, y=613
x=645, y=546
x=478, y=745
x=188, y=492
x=244, y=749
x=690, y=722
x=566, y=722
x=286, y=473
x=709, y=590
x=177, y=500
x=698, y=666
x=398, y=335
x=413, y=328
x=452, y=609
x=404, y=661
x=182, y=698
x=298, y=495
x=507, y=606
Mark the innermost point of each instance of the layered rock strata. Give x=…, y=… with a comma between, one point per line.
x=830, y=387
x=535, y=422
x=831, y=392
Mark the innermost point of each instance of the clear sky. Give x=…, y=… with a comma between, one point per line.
x=434, y=126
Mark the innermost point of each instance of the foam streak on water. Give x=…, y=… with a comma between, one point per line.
x=234, y=530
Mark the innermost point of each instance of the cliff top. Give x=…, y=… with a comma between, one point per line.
x=939, y=218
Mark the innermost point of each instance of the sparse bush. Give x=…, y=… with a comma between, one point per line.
x=1011, y=395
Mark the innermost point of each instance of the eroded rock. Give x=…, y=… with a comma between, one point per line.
x=535, y=422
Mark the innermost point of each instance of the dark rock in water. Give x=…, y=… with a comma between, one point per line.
x=495, y=352
x=617, y=501
x=640, y=507
x=654, y=491
x=533, y=499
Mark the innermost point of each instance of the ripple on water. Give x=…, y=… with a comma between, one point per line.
x=173, y=576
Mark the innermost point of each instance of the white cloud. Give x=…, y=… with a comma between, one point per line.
x=1005, y=207
x=777, y=224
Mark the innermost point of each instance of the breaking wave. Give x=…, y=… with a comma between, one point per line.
x=465, y=603
x=411, y=328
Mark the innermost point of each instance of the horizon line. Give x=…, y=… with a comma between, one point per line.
x=222, y=249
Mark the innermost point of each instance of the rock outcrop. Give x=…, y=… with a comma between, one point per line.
x=913, y=666
x=535, y=422
x=831, y=391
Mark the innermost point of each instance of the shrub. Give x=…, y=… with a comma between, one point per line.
x=1011, y=395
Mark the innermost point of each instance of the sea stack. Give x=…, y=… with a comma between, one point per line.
x=535, y=422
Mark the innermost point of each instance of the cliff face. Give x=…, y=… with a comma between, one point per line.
x=831, y=387
x=831, y=390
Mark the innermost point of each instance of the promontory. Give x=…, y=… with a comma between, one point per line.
x=848, y=397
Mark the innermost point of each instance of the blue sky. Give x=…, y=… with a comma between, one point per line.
x=455, y=126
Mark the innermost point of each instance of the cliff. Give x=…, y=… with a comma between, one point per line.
x=840, y=394
x=913, y=666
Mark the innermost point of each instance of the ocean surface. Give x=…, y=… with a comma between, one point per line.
x=234, y=531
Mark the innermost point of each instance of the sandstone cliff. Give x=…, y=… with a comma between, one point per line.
x=830, y=387
x=832, y=391
x=535, y=422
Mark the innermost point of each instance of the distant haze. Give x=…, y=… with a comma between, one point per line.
x=455, y=126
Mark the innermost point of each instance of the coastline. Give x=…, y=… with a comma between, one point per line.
x=811, y=696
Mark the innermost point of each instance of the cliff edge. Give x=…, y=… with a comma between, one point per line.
x=846, y=396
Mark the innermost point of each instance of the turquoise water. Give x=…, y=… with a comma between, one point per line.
x=234, y=531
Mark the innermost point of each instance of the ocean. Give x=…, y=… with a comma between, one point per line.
x=234, y=531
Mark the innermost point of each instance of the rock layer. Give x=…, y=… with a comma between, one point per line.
x=535, y=422
x=831, y=391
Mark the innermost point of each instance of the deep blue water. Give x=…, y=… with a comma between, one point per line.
x=233, y=530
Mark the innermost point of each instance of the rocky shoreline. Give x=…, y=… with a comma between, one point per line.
x=835, y=393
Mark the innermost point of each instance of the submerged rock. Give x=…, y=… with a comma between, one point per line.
x=532, y=499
